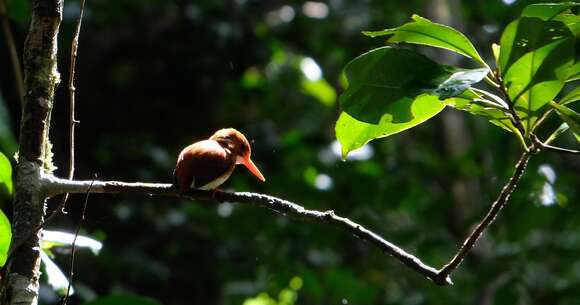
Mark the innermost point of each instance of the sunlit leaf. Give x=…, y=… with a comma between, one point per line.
x=495, y=49
x=5, y=238
x=56, y=278
x=574, y=73
x=123, y=300
x=526, y=35
x=537, y=77
x=352, y=133
x=423, y=31
x=383, y=79
x=469, y=102
x=5, y=175
x=57, y=238
x=379, y=103
x=571, y=117
x=572, y=96
x=459, y=82
x=572, y=21
x=558, y=132
x=547, y=11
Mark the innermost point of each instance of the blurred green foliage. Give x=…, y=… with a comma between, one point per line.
x=6, y=187
x=5, y=237
x=154, y=76
x=287, y=296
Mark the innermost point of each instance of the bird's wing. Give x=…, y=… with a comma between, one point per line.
x=201, y=163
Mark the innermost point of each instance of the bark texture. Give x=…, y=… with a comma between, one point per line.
x=40, y=80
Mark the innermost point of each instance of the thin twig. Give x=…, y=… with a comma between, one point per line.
x=489, y=218
x=16, y=69
x=543, y=146
x=72, y=120
x=72, y=89
x=73, y=246
x=56, y=186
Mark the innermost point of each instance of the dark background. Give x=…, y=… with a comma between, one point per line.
x=154, y=76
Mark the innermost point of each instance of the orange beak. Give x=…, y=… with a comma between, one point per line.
x=252, y=167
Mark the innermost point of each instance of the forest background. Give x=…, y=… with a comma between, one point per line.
x=153, y=76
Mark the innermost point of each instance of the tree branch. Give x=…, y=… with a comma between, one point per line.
x=40, y=80
x=54, y=186
x=71, y=119
x=499, y=203
x=74, y=244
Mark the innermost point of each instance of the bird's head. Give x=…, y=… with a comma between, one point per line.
x=237, y=144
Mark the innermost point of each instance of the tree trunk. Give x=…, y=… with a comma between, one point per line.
x=40, y=80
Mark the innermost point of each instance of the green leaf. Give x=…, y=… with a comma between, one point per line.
x=571, y=117
x=536, y=60
x=574, y=73
x=5, y=238
x=572, y=21
x=572, y=96
x=471, y=102
x=526, y=35
x=547, y=11
x=559, y=131
x=459, y=81
x=423, y=31
x=495, y=49
x=5, y=175
x=537, y=77
x=379, y=103
x=123, y=300
x=353, y=134
x=374, y=86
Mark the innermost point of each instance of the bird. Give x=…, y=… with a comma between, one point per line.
x=207, y=164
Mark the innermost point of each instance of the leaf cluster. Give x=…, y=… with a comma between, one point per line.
x=392, y=89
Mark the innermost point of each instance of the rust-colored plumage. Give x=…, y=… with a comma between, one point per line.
x=209, y=163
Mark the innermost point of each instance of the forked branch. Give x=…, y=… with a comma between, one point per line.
x=496, y=207
x=54, y=186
